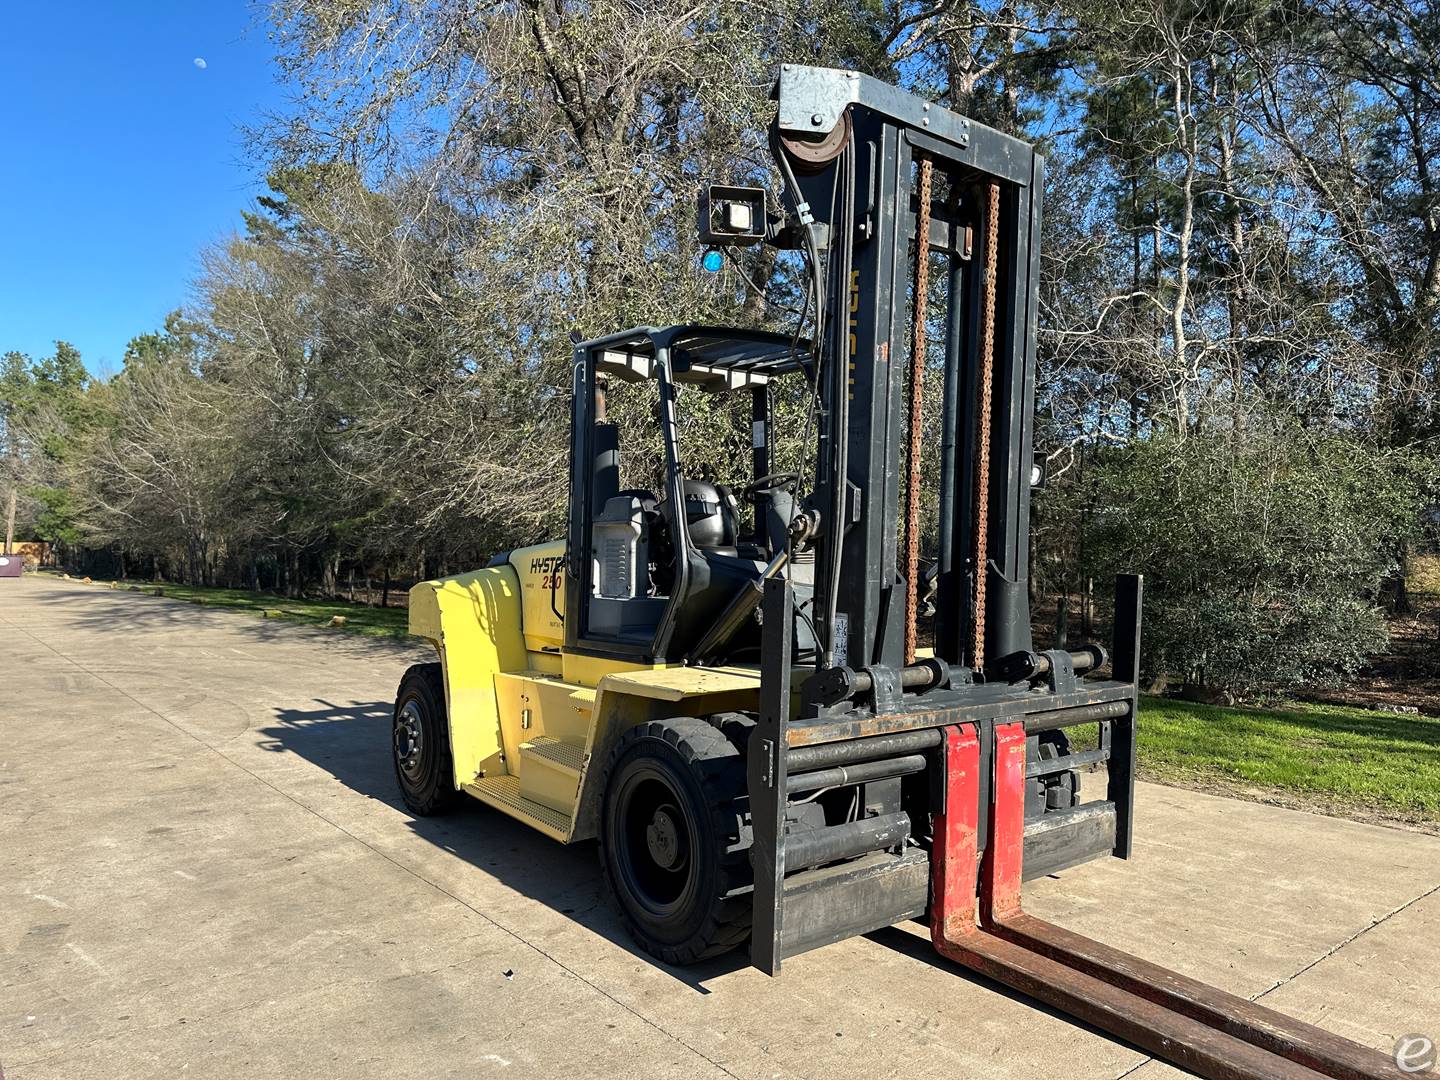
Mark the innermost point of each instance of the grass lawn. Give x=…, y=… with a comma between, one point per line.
x=1335, y=759
x=359, y=619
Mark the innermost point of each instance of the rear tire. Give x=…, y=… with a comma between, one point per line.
x=420, y=742
x=675, y=839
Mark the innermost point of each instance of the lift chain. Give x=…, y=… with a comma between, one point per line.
x=982, y=423
x=917, y=397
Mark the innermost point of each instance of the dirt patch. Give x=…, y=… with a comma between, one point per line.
x=1375, y=693
x=1406, y=676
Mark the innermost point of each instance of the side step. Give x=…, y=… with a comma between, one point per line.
x=550, y=772
x=1176, y=1018
x=503, y=793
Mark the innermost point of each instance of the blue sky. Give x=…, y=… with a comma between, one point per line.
x=122, y=158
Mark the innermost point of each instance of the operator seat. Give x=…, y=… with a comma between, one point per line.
x=635, y=562
x=712, y=517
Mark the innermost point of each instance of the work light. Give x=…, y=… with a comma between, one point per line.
x=732, y=215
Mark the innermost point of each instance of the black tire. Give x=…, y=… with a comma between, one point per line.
x=675, y=839
x=420, y=742
x=735, y=726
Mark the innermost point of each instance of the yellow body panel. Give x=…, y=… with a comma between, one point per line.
x=631, y=697
x=543, y=704
x=541, y=571
x=679, y=683
x=585, y=670
x=532, y=727
x=473, y=620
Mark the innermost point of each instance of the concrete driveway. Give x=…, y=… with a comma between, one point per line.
x=205, y=871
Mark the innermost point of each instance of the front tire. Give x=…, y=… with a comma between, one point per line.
x=675, y=839
x=420, y=742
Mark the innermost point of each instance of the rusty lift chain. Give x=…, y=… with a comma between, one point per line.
x=982, y=423
x=917, y=400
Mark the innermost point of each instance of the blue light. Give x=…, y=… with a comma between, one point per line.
x=713, y=261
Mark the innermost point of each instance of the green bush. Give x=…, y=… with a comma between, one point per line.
x=1263, y=551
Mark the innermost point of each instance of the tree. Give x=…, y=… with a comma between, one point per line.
x=45, y=409
x=1350, y=93
x=14, y=390
x=1263, y=557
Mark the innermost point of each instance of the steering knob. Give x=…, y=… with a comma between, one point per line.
x=803, y=527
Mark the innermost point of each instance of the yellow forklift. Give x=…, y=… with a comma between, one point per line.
x=723, y=684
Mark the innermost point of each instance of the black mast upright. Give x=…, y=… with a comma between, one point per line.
x=851, y=144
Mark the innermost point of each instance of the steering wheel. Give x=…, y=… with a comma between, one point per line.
x=769, y=481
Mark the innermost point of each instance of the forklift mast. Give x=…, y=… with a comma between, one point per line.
x=883, y=174
x=883, y=192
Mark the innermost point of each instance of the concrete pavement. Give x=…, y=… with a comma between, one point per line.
x=205, y=870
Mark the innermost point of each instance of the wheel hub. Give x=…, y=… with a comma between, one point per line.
x=409, y=738
x=662, y=837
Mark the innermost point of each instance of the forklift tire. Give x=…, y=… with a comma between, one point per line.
x=420, y=742
x=675, y=839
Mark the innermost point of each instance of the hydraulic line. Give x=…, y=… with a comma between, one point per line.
x=861, y=773
x=917, y=400
x=815, y=289
x=838, y=269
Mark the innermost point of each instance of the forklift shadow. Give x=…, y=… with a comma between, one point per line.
x=351, y=742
